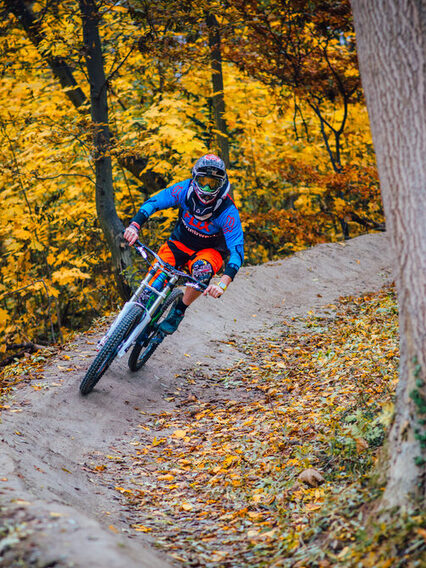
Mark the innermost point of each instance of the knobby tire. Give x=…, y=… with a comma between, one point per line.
x=137, y=359
x=109, y=350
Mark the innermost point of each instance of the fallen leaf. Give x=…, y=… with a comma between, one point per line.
x=179, y=434
x=166, y=477
x=311, y=477
x=218, y=555
x=21, y=502
x=141, y=528
x=421, y=532
x=361, y=445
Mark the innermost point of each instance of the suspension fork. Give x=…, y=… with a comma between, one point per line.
x=134, y=300
x=150, y=313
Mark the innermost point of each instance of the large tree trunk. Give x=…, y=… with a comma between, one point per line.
x=391, y=49
x=105, y=206
x=217, y=80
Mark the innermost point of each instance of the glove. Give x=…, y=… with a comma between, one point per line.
x=131, y=234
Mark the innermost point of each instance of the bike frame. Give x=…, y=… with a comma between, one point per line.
x=173, y=275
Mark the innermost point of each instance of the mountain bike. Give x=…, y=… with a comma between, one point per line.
x=136, y=326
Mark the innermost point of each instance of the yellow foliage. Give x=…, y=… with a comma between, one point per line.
x=68, y=275
x=280, y=171
x=339, y=204
x=3, y=317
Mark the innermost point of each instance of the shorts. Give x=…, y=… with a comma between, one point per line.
x=179, y=255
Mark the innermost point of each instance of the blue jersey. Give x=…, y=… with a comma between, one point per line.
x=221, y=229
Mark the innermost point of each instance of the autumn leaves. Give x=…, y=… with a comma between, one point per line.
x=242, y=468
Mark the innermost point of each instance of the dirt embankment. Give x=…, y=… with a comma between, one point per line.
x=51, y=436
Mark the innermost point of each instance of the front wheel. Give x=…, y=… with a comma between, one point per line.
x=109, y=350
x=141, y=352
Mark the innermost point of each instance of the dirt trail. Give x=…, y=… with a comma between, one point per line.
x=52, y=436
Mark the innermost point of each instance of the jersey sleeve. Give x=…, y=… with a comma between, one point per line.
x=230, y=224
x=169, y=197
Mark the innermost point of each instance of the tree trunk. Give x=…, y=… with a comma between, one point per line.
x=222, y=139
x=105, y=206
x=391, y=49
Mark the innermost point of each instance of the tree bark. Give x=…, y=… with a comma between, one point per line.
x=105, y=206
x=391, y=50
x=217, y=80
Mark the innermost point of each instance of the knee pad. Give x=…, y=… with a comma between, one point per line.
x=202, y=270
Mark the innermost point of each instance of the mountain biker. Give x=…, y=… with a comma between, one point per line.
x=208, y=229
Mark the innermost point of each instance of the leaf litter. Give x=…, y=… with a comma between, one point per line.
x=258, y=479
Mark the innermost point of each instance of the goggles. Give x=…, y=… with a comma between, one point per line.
x=208, y=184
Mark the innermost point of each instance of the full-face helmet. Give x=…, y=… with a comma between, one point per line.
x=209, y=175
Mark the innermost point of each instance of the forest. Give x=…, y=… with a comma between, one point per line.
x=273, y=87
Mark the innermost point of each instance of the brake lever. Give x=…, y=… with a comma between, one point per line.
x=141, y=250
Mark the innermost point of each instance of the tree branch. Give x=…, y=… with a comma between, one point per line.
x=27, y=348
x=61, y=175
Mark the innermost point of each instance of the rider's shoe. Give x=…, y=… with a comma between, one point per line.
x=172, y=321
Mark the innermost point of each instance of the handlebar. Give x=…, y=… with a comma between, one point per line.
x=142, y=249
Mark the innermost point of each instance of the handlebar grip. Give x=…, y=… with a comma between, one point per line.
x=198, y=285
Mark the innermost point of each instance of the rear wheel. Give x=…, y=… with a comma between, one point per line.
x=142, y=351
x=109, y=350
